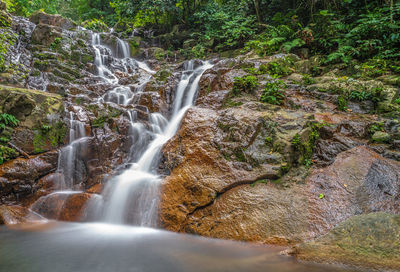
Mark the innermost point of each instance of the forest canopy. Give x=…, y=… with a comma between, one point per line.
x=340, y=29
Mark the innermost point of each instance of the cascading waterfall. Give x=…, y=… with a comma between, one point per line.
x=123, y=50
x=132, y=197
x=100, y=60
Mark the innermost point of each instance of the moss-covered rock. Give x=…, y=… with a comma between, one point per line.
x=370, y=240
x=40, y=128
x=381, y=137
x=31, y=107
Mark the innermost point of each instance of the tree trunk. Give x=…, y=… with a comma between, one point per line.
x=257, y=8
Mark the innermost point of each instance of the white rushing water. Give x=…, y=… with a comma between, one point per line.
x=100, y=60
x=67, y=159
x=132, y=197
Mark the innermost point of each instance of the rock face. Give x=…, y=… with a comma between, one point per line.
x=209, y=195
x=19, y=178
x=62, y=206
x=31, y=107
x=370, y=240
x=236, y=171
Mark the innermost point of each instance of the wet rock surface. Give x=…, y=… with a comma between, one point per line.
x=18, y=178
x=64, y=206
x=11, y=215
x=369, y=240
x=208, y=195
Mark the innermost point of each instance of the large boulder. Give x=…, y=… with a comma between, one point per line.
x=30, y=106
x=46, y=34
x=50, y=19
x=224, y=180
x=217, y=153
x=370, y=240
x=63, y=206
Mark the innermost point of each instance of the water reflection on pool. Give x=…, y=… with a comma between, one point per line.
x=59, y=247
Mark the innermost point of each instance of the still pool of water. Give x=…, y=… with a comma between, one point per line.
x=75, y=247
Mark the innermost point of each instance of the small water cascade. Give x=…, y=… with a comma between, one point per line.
x=100, y=60
x=123, y=50
x=132, y=197
x=68, y=157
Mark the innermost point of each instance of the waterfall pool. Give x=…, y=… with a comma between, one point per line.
x=95, y=247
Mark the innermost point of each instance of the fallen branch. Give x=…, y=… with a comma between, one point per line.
x=20, y=151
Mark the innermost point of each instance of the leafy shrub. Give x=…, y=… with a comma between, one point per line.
x=375, y=127
x=274, y=39
x=7, y=153
x=96, y=25
x=278, y=69
x=342, y=103
x=308, y=80
x=305, y=150
x=273, y=93
x=359, y=96
x=8, y=120
x=247, y=84
x=224, y=28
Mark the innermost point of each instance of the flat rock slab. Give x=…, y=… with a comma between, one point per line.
x=370, y=240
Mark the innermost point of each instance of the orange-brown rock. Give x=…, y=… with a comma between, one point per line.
x=65, y=206
x=18, y=177
x=213, y=154
x=96, y=189
x=215, y=194
x=10, y=215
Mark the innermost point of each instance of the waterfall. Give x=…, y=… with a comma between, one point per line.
x=123, y=50
x=67, y=159
x=132, y=197
x=100, y=60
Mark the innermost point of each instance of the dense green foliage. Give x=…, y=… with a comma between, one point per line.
x=247, y=84
x=273, y=93
x=340, y=30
